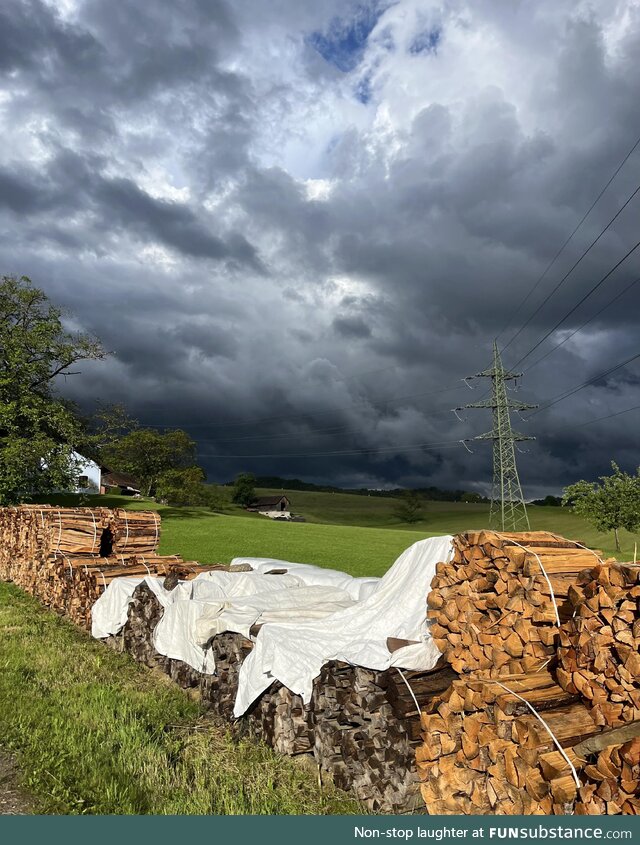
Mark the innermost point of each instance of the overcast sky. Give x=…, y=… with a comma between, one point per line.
x=298, y=225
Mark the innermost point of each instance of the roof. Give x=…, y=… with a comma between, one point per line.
x=268, y=500
x=119, y=479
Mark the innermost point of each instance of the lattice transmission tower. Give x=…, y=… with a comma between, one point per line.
x=508, y=510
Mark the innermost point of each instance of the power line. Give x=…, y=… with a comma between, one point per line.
x=289, y=436
x=259, y=421
x=599, y=419
x=570, y=271
x=575, y=307
x=566, y=243
x=583, y=385
x=586, y=323
x=445, y=444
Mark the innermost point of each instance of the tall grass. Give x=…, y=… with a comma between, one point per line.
x=95, y=733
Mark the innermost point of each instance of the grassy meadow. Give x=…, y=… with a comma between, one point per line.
x=96, y=733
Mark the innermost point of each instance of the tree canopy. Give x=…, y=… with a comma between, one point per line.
x=38, y=430
x=244, y=489
x=609, y=505
x=148, y=454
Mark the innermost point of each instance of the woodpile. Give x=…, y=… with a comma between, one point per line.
x=367, y=730
x=611, y=780
x=496, y=607
x=485, y=750
x=599, y=654
x=534, y=709
x=66, y=557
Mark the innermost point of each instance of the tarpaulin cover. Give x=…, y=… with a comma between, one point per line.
x=294, y=652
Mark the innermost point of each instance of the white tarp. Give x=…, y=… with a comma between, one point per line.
x=109, y=613
x=294, y=653
x=358, y=588
x=175, y=633
x=240, y=613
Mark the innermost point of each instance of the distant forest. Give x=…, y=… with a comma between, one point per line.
x=434, y=494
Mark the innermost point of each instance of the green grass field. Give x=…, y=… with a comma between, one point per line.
x=358, y=534
x=96, y=733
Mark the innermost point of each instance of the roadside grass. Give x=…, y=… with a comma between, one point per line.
x=95, y=733
x=358, y=534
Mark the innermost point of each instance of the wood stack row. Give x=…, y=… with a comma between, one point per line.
x=66, y=557
x=485, y=752
x=611, y=781
x=361, y=726
x=495, y=607
x=367, y=729
x=599, y=654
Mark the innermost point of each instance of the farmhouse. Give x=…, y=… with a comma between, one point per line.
x=264, y=504
x=119, y=482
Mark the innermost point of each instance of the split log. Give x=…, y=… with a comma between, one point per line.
x=599, y=654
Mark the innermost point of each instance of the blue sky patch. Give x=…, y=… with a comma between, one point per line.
x=426, y=42
x=343, y=43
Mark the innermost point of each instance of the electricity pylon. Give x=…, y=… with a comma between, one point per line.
x=508, y=510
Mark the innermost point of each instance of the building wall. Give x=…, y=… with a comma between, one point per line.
x=92, y=472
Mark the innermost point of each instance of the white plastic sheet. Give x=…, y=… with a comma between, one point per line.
x=293, y=653
x=240, y=613
x=358, y=588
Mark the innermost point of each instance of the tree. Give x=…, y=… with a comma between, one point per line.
x=147, y=454
x=612, y=504
x=409, y=507
x=244, y=489
x=186, y=487
x=38, y=430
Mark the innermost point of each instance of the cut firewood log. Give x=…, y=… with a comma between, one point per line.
x=599, y=654
x=495, y=608
x=490, y=746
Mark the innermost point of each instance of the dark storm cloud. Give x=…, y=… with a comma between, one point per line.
x=299, y=225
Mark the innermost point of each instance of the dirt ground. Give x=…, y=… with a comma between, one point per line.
x=13, y=800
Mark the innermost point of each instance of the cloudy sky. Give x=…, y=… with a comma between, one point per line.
x=299, y=225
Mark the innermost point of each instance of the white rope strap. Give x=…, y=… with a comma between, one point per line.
x=144, y=563
x=95, y=532
x=544, y=572
x=409, y=688
x=155, y=522
x=104, y=580
x=126, y=523
x=586, y=548
x=547, y=729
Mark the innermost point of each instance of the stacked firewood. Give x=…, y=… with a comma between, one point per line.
x=503, y=747
x=135, y=532
x=497, y=605
x=599, y=654
x=67, y=557
x=367, y=729
x=611, y=779
x=282, y=720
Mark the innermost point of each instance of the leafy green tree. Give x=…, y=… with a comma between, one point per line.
x=409, y=507
x=244, y=489
x=148, y=454
x=612, y=504
x=186, y=487
x=38, y=430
